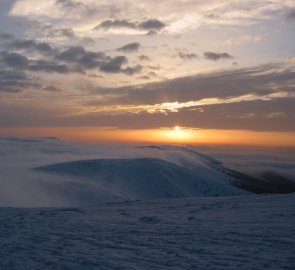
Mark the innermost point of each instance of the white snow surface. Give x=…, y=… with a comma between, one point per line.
x=240, y=232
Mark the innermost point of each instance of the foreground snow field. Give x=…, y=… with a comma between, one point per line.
x=241, y=232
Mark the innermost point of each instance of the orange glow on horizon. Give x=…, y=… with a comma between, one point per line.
x=166, y=135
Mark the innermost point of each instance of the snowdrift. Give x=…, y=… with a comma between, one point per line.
x=145, y=178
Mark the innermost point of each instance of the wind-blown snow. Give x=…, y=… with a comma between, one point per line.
x=241, y=232
x=256, y=161
x=138, y=173
x=144, y=178
x=72, y=174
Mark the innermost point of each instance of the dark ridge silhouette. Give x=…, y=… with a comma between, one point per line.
x=271, y=182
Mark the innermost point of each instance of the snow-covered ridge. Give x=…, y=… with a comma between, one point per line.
x=50, y=172
x=146, y=178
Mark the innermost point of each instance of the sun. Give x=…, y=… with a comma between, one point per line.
x=177, y=134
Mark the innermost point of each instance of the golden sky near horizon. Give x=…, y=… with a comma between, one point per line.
x=174, y=135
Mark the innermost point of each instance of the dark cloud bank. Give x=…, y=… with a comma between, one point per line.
x=16, y=58
x=70, y=60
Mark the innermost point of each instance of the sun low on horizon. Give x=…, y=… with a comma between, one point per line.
x=191, y=72
x=172, y=135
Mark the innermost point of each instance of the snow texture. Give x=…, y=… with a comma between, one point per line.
x=240, y=232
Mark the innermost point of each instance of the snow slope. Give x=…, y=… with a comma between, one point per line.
x=142, y=178
x=73, y=174
x=240, y=232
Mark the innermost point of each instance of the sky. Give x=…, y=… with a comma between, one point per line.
x=188, y=71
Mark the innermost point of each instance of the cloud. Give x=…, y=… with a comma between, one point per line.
x=116, y=24
x=213, y=17
x=183, y=16
x=51, y=88
x=152, y=24
x=215, y=116
x=276, y=115
x=25, y=188
x=243, y=39
x=151, y=33
x=261, y=80
x=97, y=60
x=214, y=56
x=72, y=54
x=260, y=92
x=145, y=77
x=255, y=161
x=6, y=36
x=81, y=57
x=113, y=65
x=192, y=104
x=62, y=32
x=51, y=32
x=132, y=70
x=74, y=59
x=15, y=81
x=50, y=66
x=22, y=44
x=147, y=25
x=14, y=60
x=143, y=58
x=69, y=4
x=129, y=48
x=291, y=16
x=187, y=56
